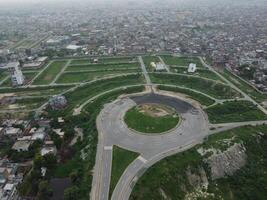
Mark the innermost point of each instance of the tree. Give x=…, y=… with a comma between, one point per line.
x=50, y=161
x=71, y=193
x=44, y=191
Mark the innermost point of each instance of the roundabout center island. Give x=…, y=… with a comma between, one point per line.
x=151, y=118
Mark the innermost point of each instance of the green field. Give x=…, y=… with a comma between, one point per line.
x=147, y=61
x=205, y=73
x=121, y=158
x=169, y=178
x=202, y=99
x=75, y=77
x=145, y=123
x=80, y=61
x=3, y=75
x=252, y=92
x=50, y=73
x=212, y=88
x=40, y=91
x=85, y=92
x=235, y=111
x=181, y=61
x=102, y=66
x=116, y=59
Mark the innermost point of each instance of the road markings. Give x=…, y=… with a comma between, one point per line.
x=142, y=159
x=108, y=148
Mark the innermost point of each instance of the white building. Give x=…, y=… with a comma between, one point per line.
x=158, y=66
x=22, y=145
x=192, y=68
x=17, y=77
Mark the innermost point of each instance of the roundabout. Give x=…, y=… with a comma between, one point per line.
x=190, y=128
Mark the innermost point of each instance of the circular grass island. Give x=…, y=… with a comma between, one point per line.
x=151, y=118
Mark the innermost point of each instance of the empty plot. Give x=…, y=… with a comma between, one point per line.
x=102, y=66
x=75, y=77
x=50, y=73
x=181, y=61
x=117, y=59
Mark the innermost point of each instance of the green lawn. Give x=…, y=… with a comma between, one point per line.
x=103, y=66
x=205, y=73
x=75, y=77
x=212, y=88
x=170, y=175
x=80, y=61
x=147, y=61
x=38, y=91
x=257, y=96
x=121, y=158
x=202, y=99
x=3, y=75
x=50, y=73
x=145, y=123
x=117, y=59
x=85, y=92
x=181, y=61
x=235, y=111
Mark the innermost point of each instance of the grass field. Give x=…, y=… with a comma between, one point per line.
x=85, y=92
x=212, y=88
x=205, y=73
x=235, y=111
x=117, y=59
x=257, y=96
x=169, y=179
x=50, y=73
x=40, y=91
x=121, y=158
x=75, y=77
x=80, y=61
x=147, y=61
x=103, y=66
x=142, y=122
x=181, y=61
x=202, y=99
x=3, y=75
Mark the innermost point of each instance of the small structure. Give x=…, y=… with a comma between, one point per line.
x=192, y=68
x=59, y=132
x=58, y=102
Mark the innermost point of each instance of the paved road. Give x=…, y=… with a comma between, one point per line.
x=113, y=131
x=166, y=66
x=193, y=128
x=148, y=81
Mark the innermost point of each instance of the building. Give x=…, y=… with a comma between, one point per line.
x=158, y=66
x=192, y=68
x=58, y=102
x=17, y=77
x=48, y=149
x=22, y=145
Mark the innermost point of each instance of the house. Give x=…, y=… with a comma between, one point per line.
x=192, y=68
x=59, y=132
x=48, y=149
x=11, y=131
x=22, y=145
